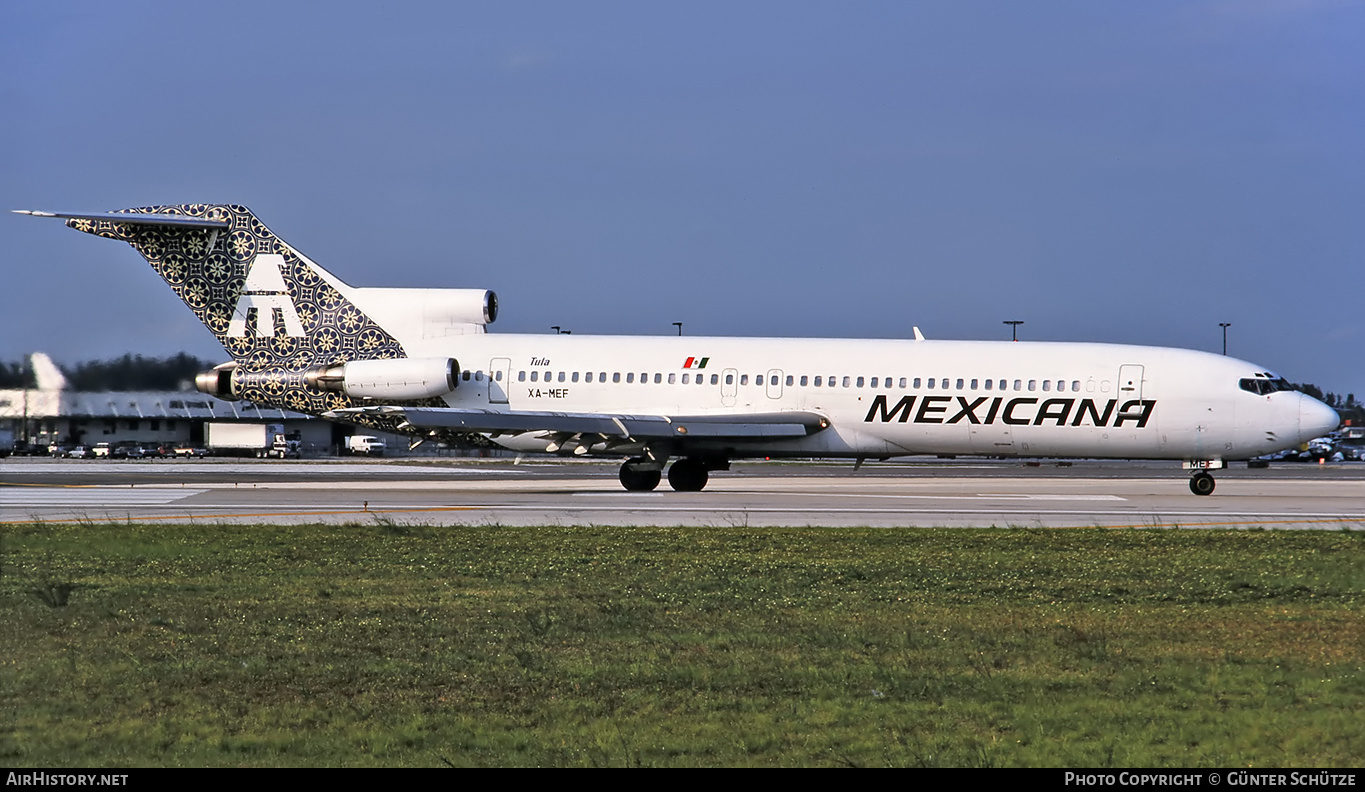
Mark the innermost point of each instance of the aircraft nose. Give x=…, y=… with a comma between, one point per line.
x=1315, y=418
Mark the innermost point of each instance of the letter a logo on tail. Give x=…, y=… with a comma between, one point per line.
x=265, y=293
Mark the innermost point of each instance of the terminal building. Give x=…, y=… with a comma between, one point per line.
x=51, y=414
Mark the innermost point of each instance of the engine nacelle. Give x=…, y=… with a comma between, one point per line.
x=428, y=313
x=400, y=379
x=217, y=381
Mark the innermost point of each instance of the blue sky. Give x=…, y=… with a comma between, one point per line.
x=1125, y=172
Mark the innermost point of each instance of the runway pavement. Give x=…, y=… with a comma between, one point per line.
x=546, y=492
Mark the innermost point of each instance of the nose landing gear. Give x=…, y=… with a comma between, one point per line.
x=1201, y=483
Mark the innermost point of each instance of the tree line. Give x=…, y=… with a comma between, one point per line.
x=126, y=373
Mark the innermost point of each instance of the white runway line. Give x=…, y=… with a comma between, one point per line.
x=92, y=496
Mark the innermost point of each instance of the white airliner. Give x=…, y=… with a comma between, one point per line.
x=420, y=361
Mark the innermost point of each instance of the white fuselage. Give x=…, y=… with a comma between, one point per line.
x=897, y=397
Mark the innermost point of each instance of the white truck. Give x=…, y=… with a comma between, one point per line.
x=251, y=439
x=368, y=445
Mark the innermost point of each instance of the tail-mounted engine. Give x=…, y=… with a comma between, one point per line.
x=401, y=379
x=217, y=381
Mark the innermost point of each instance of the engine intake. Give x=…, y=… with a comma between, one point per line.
x=401, y=379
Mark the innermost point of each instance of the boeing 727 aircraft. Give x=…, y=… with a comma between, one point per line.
x=421, y=362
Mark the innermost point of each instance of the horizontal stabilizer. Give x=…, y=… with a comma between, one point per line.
x=134, y=218
x=639, y=427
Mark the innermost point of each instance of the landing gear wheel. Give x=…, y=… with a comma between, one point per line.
x=1201, y=484
x=687, y=475
x=639, y=475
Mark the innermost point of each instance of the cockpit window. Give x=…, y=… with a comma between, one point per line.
x=1264, y=386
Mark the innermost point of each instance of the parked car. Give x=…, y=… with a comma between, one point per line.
x=158, y=450
x=127, y=449
x=101, y=451
x=79, y=452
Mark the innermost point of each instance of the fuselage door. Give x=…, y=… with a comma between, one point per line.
x=1130, y=383
x=775, y=383
x=729, y=386
x=499, y=380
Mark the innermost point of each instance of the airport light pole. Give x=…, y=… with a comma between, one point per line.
x=1014, y=327
x=679, y=326
x=1225, y=326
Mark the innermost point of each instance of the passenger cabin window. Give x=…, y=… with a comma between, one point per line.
x=616, y=376
x=521, y=376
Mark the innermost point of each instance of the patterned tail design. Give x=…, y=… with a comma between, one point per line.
x=268, y=306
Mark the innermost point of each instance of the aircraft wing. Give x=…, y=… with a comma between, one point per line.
x=634, y=427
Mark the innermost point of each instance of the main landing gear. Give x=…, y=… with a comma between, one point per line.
x=1201, y=483
x=641, y=474
x=687, y=475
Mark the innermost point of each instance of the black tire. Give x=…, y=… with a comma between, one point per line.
x=1202, y=484
x=637, y=478
x=687, y=475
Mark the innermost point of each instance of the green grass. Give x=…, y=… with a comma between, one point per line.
x=385, y=644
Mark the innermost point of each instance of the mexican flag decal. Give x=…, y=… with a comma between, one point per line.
x=696, y=363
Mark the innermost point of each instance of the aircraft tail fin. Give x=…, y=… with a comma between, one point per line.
x=274, y=310
x=266, y=303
